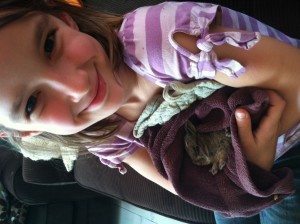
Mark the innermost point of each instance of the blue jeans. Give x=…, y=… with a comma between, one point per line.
x=287, y=211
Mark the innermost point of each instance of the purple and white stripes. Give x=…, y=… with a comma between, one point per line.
x=237, y=20
x=147, y=34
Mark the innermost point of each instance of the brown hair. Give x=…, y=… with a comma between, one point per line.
x=101, y=26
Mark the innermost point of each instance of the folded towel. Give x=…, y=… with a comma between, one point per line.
x=176, y=97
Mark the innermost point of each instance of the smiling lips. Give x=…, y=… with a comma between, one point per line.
x=100, y=91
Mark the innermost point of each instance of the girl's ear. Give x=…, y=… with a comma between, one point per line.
x=3, y=134
x=20, y=134
x=28, y=134
x=65, y=17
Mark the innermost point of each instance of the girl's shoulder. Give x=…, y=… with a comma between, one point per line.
x=147, y=37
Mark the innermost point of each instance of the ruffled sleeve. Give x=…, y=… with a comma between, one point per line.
x=116, y=148
x=206, y=63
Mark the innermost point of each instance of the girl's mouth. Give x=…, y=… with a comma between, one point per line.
x=99, y=93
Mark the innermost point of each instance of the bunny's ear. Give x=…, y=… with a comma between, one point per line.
x=20, y=134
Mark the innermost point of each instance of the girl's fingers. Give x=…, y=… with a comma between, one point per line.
x=269, y=124
x=244, y=128
x=260, y=146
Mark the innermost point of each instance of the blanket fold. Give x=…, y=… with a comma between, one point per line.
x=240, y=188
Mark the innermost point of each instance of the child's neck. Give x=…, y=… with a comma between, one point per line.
x=141, y=92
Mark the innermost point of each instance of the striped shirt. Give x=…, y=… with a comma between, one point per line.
x=150, y=50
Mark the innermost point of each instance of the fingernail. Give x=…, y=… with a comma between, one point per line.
x=240, y=115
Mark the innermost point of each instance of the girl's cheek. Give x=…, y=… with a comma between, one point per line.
x=56, y=115
x=80, y=48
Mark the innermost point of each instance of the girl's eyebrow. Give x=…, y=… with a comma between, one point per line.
x=39, y=28
x=38, y=31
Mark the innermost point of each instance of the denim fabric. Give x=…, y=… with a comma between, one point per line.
x=287, y=211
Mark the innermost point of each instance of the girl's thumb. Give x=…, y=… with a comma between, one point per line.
x=244, y=126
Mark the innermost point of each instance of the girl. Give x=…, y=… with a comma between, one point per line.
x=81, y=91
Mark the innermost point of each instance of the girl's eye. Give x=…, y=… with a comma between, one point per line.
x=30, y=106
x=50, y=43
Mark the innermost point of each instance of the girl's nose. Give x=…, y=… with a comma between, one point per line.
x=74, y=87
x=76, y=96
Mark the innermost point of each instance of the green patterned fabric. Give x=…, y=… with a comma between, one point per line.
x=176, y=97
x=12, y=211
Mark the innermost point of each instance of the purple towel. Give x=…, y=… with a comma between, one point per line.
x=240, y=188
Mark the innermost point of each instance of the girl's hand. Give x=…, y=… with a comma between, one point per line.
x=259, y=145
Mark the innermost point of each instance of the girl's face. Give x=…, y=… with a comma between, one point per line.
x=53, y=77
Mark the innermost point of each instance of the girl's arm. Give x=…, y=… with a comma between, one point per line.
x=141, y=162
x=259, y=146
x=267, y=64
x=270, y=64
